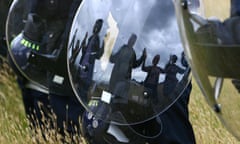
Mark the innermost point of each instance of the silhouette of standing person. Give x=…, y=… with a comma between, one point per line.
x=90, y=52
x=124, y=61
x=151, y=81
x=171, y=71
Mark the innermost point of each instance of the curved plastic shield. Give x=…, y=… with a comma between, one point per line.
x=211, y=37
x=20, y=48
x=126, y=61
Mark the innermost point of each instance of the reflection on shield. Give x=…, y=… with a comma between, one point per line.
x=130, y=34
x=21, y=47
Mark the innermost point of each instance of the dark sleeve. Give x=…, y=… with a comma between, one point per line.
x=162, y=70
x=144, y=68
x=138, y=62
x=184, y=61
x=180, y=70
x=97, y=48
x=84, y=47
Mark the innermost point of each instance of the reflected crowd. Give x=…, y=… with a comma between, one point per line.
x=123, y=90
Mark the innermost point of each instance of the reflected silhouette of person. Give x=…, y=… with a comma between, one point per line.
x=152, y=78
x=124, y=61
x=76, y=49
x=171, y=70
x=90, y=52
x=184, y=61
x=75, y=52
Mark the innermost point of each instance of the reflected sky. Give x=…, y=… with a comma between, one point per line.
x=153, y=21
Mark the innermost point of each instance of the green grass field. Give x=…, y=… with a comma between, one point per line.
x=14, y=128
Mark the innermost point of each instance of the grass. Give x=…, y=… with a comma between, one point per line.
x=207, y=127
x=14, y=126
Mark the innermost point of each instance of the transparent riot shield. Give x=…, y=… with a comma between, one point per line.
x=21, y=47
x=125, y=59
x=210, y=34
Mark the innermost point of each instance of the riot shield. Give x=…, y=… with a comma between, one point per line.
x=210, y=35
x=125, y=59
